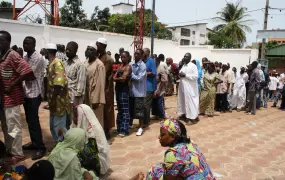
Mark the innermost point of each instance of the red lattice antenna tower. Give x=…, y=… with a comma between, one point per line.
x=139, y=24
x=53, y=12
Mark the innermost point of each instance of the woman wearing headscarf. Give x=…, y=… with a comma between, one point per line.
x=183, y=159
x=200, y=72
x=65, y=160
x=95, y=155
x=173, y=74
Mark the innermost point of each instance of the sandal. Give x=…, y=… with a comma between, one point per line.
x=16, y=159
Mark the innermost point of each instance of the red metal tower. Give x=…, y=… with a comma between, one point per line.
x=139, y=24
x=53, y=13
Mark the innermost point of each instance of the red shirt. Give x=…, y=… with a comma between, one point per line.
x=11, y=67
x=115, y=67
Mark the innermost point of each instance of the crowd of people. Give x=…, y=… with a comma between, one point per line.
x=82, y=94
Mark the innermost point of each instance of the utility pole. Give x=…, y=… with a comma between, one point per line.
x=152, y=27
x=265, y=28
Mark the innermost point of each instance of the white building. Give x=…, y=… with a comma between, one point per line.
x=122, y=8
x=192, y=34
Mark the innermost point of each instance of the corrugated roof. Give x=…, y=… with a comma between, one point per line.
x=121, y=3
x=276, y=51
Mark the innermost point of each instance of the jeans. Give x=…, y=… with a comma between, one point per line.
x=278, y=96
x=31, y=107
x=57, y=123
x=258, y=100
x=147, y=106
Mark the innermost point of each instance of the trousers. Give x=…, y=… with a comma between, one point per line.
x=57, y=123
x=12, y=130
x=31, y=107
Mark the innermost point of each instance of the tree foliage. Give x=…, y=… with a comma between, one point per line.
x=219, y=40
x=5, y=4
x=233, y=23
x=72, y=15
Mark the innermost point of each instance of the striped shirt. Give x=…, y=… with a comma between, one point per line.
x=138, y=79
x=33, y=89
x=75, y=72
x=12, y=66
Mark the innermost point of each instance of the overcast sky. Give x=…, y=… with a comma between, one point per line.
x=176, y=11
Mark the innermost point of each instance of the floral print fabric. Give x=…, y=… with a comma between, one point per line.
x=183, y=161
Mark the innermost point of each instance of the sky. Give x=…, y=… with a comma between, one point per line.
x=179, y=11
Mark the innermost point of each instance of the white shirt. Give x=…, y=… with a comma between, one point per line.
x=273, y=83
x=281, y=84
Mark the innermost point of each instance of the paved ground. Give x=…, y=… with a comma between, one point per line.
x=236, y=145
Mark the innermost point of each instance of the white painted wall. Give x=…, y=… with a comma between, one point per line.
x=61, y=35
x=122, y=9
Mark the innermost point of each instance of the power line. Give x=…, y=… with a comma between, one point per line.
x=211, y=18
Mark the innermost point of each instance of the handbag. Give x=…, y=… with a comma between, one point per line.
x=139, y=108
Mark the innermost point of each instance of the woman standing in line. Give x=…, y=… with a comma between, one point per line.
x=122, y=94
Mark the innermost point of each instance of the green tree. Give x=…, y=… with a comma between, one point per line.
x=99, y=19
x=219, y=40
x=234, y=23
x=271, y=44
x=5, y=4
x=72, y=14
x=125, y=23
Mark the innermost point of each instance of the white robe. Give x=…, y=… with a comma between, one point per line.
x=188, y=95
x=239, y=94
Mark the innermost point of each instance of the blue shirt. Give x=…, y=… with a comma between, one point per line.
x=151, y=80
x=138, y=79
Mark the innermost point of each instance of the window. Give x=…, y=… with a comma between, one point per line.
x=202, y=35
x=193, y=32
x=184, y=42
x=185, y=32
x=193, y=42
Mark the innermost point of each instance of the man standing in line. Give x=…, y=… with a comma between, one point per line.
x=57, y=94
x=158, y=100
x=279, y=89
x=239, y=93
x=33, y=90
x=109, y=111
x=232, y=80
x=76, y=75
x=95, y=83
x=13, y=71
x=254, y=84
x=188, y=95
x=138, y=90
x=265, y=86
x=150, y=84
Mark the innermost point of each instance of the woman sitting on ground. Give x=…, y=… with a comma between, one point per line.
x=183, y=160
x=96, y=153
x=65, y=160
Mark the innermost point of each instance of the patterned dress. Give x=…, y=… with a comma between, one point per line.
x=208, y=94
x=184, y=161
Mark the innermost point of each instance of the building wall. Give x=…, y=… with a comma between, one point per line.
x=122, y=9
x=6, y=15
x=62, y=35
x=198, y=28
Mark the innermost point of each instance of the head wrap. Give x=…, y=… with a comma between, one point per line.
x=171, y=126
x=102, y=41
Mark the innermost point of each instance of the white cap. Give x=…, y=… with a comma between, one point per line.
x=93, y=44
x=51, y=46
x=102, y=41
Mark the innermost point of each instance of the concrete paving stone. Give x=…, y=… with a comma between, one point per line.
x=226, y=141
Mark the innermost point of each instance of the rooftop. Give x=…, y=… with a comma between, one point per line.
x=183, y=25
x=121, y=3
